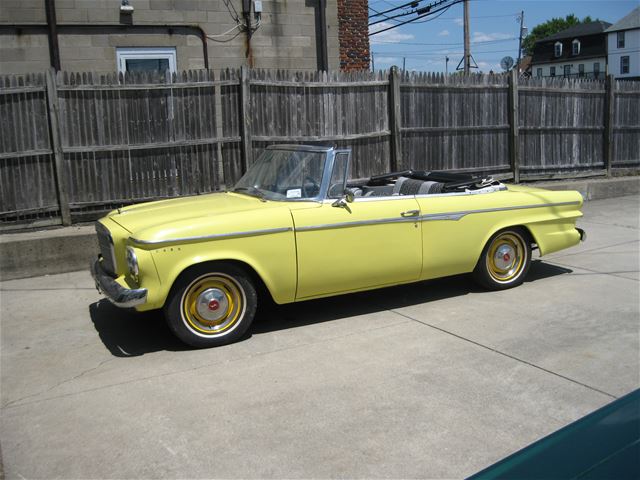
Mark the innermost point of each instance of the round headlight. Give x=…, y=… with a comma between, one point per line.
x=132, y=262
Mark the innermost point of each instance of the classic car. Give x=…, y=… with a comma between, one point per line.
x=297, y=228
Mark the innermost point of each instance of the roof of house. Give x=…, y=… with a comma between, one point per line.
x=630, y=21
x=580, y=30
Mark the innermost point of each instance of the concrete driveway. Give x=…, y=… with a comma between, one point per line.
x=437, y=379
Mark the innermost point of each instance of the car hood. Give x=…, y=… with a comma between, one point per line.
x=199, y=215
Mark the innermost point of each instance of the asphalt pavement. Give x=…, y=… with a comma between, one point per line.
x=434, y=380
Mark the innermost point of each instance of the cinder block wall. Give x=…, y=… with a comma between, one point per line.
x=285, y=40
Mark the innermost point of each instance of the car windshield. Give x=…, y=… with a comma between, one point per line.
x=284, y=175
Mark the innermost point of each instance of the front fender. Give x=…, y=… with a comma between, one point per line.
x=272, y=256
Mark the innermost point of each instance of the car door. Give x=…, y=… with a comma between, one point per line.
x=453, y=236
x=370, y=242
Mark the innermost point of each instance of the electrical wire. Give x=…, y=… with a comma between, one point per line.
x=446, y=44
x=405, y=5
x=416, y=18
x=234, y=13
x=433, y=4
x=436, y=53
x=224, y=41
x=223, y=34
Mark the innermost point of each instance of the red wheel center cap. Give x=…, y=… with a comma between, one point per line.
x=214, y=305
x=506, y=257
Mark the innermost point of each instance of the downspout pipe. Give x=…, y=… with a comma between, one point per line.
x=321, y=35
x=52, y=32
x=97, y=29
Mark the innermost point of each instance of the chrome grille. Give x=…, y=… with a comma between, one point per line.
x=105, y=242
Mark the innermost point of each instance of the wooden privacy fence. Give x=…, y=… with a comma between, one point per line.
x=73, y=146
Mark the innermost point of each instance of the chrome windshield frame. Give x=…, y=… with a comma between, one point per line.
x=329, y=160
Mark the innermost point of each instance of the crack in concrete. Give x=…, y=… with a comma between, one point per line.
x=14, y=404
x=53, y=387
x=584, y=220
x=595, y=272
x=590, y=250
x=494, y=350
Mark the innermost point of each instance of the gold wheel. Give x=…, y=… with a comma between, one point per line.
x=213, y=305
x=506, y=257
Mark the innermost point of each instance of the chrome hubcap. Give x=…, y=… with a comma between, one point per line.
x=212, y=304
x=504, y=257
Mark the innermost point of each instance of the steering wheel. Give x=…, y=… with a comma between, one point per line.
x=310, y=187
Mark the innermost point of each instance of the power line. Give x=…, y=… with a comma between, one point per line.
x=447, y=44
x=422, y=10
x=437, y=53
x=413, y=4
x=431, y=12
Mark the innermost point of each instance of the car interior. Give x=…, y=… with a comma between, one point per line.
x=412, y=182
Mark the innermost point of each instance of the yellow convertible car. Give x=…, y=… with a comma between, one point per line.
x=296, y=228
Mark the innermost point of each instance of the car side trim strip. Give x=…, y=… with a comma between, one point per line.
x=458, y=215
x=218, y=236
x=426, y=218
x=358, y=223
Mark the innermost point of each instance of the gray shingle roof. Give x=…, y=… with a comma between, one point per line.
x=632, y=20
x=579, y=30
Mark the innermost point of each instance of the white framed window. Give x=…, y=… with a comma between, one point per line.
x=552, y=71
x=581, y=69
x=567, y=70
x=624, y=64
x=596, y=69
x=146, y=59
x=538, y=72
x=620, y=39
x=557, y=49
x=575, y=47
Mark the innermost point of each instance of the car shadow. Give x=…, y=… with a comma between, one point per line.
x=126, y=333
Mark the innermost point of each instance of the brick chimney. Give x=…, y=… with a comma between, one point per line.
x=353, y=34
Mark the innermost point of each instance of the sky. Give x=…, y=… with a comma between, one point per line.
x=494, y=28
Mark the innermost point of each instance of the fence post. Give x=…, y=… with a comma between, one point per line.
x=56, y=147
x=395, y=119
x=245, y=123
x=514, y=142
x=609, y=105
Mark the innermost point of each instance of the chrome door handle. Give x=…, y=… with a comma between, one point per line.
x=411, y=213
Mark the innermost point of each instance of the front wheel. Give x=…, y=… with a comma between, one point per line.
x=505, y=260
x=211, y=305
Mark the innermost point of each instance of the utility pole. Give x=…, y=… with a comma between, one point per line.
x=467, y=45
x=520, y=40
x=446, y=66
x=404, y=63
x=373, y=64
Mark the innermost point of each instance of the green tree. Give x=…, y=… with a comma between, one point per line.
x=550, y=27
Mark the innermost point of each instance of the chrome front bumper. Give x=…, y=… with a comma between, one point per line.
x=116, y=293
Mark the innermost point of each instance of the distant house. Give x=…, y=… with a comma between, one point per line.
x=579, y=51
x=175, y=35
x=623, y=47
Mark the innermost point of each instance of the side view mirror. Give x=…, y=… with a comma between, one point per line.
x=344, y=201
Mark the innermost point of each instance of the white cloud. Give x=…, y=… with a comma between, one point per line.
x=385, y=60
x=444, y=33
x=488, y=37
x=458, y=21
x=390, y=36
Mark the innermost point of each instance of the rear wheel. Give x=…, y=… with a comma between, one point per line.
x=211, y=305
x=505, y=260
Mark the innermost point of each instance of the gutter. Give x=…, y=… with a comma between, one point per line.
x=97, y=29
